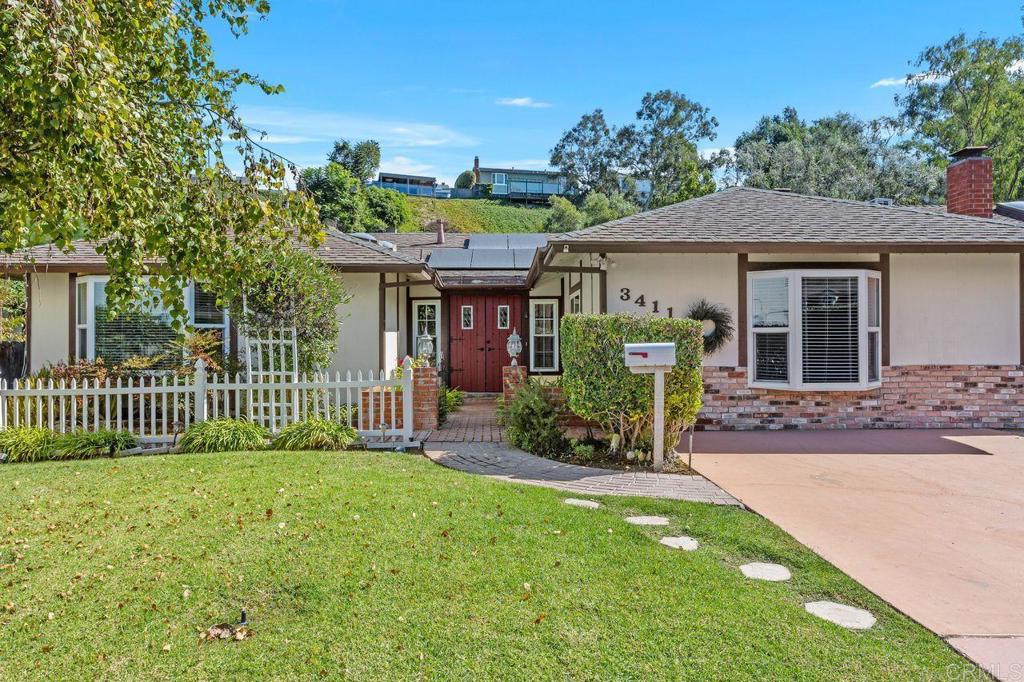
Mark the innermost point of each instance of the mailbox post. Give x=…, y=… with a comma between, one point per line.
x=656, y=359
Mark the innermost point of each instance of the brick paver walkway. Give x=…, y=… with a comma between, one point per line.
x=507, y=463
x=475, y=422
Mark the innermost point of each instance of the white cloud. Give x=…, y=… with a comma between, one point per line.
x=270, y=138
x=403, y=164
x=711, y=151
x=326, y=126
x=528, y=102
x=1016, y=68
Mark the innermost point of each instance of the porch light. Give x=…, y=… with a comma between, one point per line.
x=514, y=346
x=424, y=346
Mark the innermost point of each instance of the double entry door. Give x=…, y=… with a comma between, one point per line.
x=478, y=328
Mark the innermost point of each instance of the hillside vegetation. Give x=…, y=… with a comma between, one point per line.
x=476, y=215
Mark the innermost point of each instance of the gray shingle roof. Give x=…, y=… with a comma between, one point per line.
x=745, y=216
x=339, y=250
x=469, y=279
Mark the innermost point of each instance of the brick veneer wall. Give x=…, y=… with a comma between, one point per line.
x=918, y=396
x=425, y=387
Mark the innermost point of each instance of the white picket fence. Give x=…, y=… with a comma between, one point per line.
x=157, y=408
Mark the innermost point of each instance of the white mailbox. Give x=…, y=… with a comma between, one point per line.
x=657, y=359
x=647, y=358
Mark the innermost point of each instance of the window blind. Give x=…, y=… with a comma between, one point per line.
x=830, y=334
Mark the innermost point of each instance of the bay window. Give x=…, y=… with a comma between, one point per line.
x=814, y=329
x=147, y=330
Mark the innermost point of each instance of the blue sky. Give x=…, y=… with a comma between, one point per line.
x=441, y=84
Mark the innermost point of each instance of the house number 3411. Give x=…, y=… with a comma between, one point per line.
x=641, y=301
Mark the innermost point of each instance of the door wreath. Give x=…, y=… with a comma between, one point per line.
x=718, y=326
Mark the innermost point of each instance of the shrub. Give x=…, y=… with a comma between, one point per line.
x=223, y=435
x=466, y=180
x=387, y=209
x=530, y=422
x=315, y=434
x=448, y=400
x=85, y=444
x=599, y=387
x=27, y=444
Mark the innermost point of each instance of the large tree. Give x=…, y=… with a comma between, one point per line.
x=837, y=156
x=117, y=125
x=971, y=92
x=587, y=154
x=660, y=148
x=361, y=159
x=339, y=196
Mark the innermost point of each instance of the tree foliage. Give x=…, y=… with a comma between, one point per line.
x=564, y=216
x=587, y=154
x=599, y=387
x=466, y=180
x=968, y=93
x=660, y=147
x=117, y=126
x=13, y=304
x=600, y=208
x=386, y=209
x=338, y=195
x=361, y=159
x=293, y=289
x=836, y=156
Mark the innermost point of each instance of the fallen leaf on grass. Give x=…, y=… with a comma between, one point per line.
x=167, y=647
x=540, y=619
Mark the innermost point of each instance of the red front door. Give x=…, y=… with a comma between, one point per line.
x=478, y=327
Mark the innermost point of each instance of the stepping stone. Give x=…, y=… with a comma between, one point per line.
x=647, y=520
x=687, y=544
x=589, y=504
x=849, y=617
x=761, y=571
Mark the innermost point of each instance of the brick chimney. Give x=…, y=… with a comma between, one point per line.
x=476, y=169
x=969, y=183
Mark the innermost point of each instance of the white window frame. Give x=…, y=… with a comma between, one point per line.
x=436, y=305
x=462, y=317
x=495, y=176
x=575, y=303
x=508, y=317
x=795, y=330
x=534, y=302
x=89, y=282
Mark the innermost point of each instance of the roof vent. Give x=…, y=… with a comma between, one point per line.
x=782, y=189
x=882, y=201
x=365, y=236
x=387, y=245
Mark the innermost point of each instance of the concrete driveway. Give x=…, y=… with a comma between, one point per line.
x=931, y=521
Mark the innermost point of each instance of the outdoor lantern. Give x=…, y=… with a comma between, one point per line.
x=425, y=346
x=514, y=346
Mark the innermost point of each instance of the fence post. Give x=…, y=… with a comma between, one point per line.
x=199, y=390
x=407, y=404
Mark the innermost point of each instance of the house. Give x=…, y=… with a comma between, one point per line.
x=848, y=314
x=529, y=186
x=414, y=185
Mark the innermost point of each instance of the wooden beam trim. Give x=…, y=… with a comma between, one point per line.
x=603, y=289
x=884, y=268
x=742, y=267
x=382, y=303
x=759, y=266
x=72, y=317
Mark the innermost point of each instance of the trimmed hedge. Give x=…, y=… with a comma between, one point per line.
x=599, y=387
x=34, y=444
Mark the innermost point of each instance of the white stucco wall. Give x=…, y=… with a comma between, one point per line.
x=48, y=333
x=954, y=309
x=676, y=280
x=358, y=342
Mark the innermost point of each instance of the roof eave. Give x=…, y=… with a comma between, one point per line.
x=656, y=246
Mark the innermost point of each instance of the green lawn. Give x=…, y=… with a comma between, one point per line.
x=477, y=215
x=384, y=566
